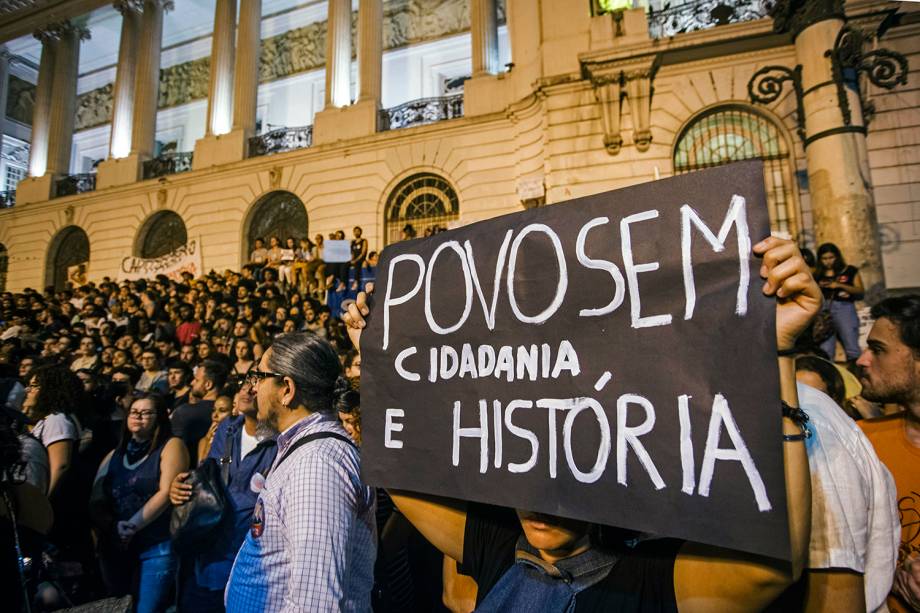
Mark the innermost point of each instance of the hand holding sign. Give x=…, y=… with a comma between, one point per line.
x=789, y=279
x=640, y=358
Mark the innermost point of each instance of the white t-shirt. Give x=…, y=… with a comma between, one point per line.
x=854, y=516
x=247, y=442
x=56, y=427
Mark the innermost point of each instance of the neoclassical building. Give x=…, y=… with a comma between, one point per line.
x=131, y=129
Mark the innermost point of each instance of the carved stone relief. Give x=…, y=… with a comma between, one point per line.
x=298, y=50
x=20, y=100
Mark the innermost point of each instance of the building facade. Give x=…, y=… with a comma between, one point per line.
x=362, y=114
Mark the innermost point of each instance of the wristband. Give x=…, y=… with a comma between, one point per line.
x=785, y=353
x=800, y=418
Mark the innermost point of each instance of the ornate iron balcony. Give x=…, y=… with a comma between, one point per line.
x=281, y=140
x=7, y=199
x=421, y=112
x=703, y=14
x=168, y=164
x=75, y=184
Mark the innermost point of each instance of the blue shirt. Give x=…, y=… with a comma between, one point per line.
x=245, y=481
x=313, y=539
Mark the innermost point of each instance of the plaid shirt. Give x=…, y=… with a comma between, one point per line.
x=313, y=538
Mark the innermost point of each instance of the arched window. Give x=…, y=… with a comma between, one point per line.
x=4, y=265
x=732, y=133
x=280, y=214
x=162, y=233
x=68, y=258
x=424, y=201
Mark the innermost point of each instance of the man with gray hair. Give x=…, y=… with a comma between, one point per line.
x=312, y=542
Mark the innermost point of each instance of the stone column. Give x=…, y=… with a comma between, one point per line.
x=4, y=92
x=38, y=153
x=123, y=94
x=147, y=79
x=220, y=92
x=338, y=54
x=246, y=77
x=370, y=50
x=63, y=108
x=484, y=34
x=840, y=184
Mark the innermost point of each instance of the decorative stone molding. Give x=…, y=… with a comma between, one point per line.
x=629, y=77
x=54, y=31
x=796, y=15
x=532, y=191
x=608, y=93
x=639, y=94
x=125, y=6
x=295, y=51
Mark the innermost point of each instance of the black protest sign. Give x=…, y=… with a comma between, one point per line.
x=610, y=359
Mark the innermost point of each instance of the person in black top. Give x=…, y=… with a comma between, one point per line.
x=841, y=286
x=550, y=563
x=191, y=422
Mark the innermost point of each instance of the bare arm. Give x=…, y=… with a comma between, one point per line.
x=834, y=590
x=459, y=594
x=173, y=461
x=440, y=520
x=707, y=578
x=59, y=462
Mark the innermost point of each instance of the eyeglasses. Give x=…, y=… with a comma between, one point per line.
x=142, y=414
x=253, y=377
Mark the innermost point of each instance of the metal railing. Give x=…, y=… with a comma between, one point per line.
x=7, y=199
x=421, y=112
x=281, y=140
x=703, y=14
x=168, y=164
x=75, y=184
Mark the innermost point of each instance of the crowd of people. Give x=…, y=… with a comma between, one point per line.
x=119, y=398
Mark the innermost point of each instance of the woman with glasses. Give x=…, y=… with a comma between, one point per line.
x=136, y=554
x=52, y=396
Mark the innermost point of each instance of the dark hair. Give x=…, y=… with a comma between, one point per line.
x=216, y=372
x=839, y=262
x=177, y=364
x=829, y=374
x=59, y=390
x=133, y=374
x=163, y=430
x=11, y=460
x=349, y=359
x=349, y=400
x=904, y=312
x=313, y=365
x=809, y=256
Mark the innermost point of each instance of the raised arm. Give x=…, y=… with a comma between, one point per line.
x=441, y=520
x=711, y=579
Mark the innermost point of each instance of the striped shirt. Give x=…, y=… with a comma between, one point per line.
x=313, y=541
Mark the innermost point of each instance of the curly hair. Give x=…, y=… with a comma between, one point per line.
x=59, y=390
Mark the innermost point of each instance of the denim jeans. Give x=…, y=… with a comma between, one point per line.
x=156, y=578
x=194, y=597
x=846, y=328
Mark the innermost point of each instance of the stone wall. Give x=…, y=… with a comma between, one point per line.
x=551, y=138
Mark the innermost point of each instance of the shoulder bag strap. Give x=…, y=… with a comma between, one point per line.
x=309, y=439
